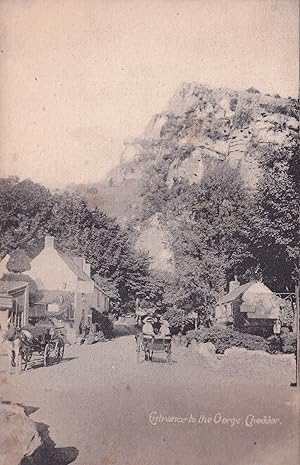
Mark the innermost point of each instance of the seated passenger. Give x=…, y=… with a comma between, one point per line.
x=148, y=327
x=156, y=322
x=164, y=329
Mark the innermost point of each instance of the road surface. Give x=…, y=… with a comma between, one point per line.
x=102, y=408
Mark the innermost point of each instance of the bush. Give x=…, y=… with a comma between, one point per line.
x=100, y=336
x=252, y=90
x=104, y=323
x=233, y=103
x=274, y=344
x=224, y=338
x=242, y=117
x=178, y=322
x=289, y=343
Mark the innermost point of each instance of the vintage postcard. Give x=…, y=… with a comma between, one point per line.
x=149, y=232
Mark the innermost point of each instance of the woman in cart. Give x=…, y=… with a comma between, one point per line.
x=148, y=329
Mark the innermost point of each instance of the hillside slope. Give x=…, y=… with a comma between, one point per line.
x=200, y=124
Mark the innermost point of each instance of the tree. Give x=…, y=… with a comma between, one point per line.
x=25, y=209
x=274, y=230
x=34, y=293
x=30, y=212
x=18, y=262
x=207, y=221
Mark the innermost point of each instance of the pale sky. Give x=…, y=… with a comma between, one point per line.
x=78, y=77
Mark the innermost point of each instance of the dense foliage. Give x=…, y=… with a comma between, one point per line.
x=29, y=211
x=217, y=225
x=224, y=338
x=274, y=228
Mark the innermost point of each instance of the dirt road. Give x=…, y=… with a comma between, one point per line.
x=105, y=409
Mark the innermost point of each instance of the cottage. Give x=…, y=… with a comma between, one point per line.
x=249, y=307
x=67, y=291
x=14, y=302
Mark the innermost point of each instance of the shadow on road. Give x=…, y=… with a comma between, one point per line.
x=38, y=363
x=162, y=360
x=48, y=453
x=124, y=330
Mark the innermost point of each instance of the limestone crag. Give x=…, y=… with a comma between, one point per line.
x=200, y=124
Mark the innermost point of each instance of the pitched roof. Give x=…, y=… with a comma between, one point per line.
x=70, y=262
x=7, y=286
x=231, y=296
x=73, y=265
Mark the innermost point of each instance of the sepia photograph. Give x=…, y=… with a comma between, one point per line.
x=149, y=232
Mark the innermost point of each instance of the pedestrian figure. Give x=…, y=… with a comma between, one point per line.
x=12, y=341
x=277, y=331
x=148, y=327
x=277, y=327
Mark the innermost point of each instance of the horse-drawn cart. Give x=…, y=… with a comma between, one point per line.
x=45, y=342
x=146, y=346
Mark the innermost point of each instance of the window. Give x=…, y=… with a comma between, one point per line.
x=15, y=318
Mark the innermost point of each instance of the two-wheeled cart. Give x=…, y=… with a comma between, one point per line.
x=146, y=346
x=46, y=344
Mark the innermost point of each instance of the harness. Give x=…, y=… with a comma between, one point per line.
x=11, y=334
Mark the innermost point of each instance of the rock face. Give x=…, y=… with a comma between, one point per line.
x=200, y=124
x=19, y=437
x=158, y=248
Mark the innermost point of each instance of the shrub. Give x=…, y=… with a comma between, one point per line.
x=274, y=344
x=242, y=118
x=252, y=90
x=233, y=103
x=177, y=321
x=217, y=129
x=100, y=336
x=18, y=262
x=105, y=325
x=289, y=343
x=224, y=337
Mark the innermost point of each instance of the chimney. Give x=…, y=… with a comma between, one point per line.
x=234, y=284
x=49, y=242
x=87, y=269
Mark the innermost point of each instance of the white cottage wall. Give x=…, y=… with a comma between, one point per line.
x=49, y=271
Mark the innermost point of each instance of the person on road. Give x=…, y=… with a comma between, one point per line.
x=157, y=323
x=148, y=327
x=164, y=329
x=11, y=338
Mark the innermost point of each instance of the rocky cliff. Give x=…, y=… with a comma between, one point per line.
x=199, y=124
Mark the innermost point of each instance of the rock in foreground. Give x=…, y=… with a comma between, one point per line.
x=19, y=437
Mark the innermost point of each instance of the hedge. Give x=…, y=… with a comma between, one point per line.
x=224, y=338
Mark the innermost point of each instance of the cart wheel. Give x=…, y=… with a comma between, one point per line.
x=169, y=357
x=139, y=356
x=59, y=350
x=46, y=354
